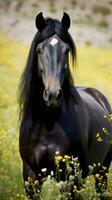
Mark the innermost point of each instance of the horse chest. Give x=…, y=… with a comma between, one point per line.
x=45, y=143
x=65, y=137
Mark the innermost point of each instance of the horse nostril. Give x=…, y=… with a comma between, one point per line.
x=59, y=94
x=46, y=95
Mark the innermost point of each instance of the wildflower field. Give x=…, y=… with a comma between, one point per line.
x=94, y=68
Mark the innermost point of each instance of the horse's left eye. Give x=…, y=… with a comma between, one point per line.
x=67, y=50
x=41, y=70
x=39, y=51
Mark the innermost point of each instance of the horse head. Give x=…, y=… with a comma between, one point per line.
x=53, y=57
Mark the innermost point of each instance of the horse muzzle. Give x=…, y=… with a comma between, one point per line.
x=53, y=98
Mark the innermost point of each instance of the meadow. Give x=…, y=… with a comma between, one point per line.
x=94, y=68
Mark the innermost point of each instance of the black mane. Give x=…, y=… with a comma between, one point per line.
x=30, y=83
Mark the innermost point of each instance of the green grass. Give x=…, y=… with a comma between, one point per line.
x=94, y=69
x=11, y=60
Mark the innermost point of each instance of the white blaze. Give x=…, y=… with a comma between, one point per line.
x=53, y=41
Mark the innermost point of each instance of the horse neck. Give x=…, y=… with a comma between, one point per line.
x=48, y=116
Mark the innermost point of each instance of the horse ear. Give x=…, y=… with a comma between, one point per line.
x=65, y=21
x=40, y=22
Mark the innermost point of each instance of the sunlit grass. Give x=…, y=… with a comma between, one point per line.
x=12, y=58
x=94, y=69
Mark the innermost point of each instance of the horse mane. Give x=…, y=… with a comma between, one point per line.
x=30, y=84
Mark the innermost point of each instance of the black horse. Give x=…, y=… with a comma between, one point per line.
x=55, y=115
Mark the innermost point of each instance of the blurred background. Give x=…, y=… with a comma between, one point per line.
x=91, y=20
x=91, y=29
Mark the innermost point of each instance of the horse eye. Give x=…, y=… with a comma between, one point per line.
x=67, y=50
x=41, y=70
x=39, y=51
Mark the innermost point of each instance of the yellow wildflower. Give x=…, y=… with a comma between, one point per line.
x=99, y=164
x=99, y=139
x=74, y=188
x=97, y=175
x=104, y=168
x=94, y=165
x=59, y=158
x=72, y=162
x=104, y=130
x=63, y=160
x=44, y=169
x=67, y=157
x=97, y=135
x=57, y=152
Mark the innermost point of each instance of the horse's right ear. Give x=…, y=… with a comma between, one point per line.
x=65, y=21
x=40, y=22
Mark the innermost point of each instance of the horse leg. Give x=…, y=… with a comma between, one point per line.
x=28, y=172
x=29, y=177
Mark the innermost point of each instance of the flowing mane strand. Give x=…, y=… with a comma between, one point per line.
x=30, y=84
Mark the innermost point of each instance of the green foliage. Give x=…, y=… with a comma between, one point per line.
x=63, y=190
